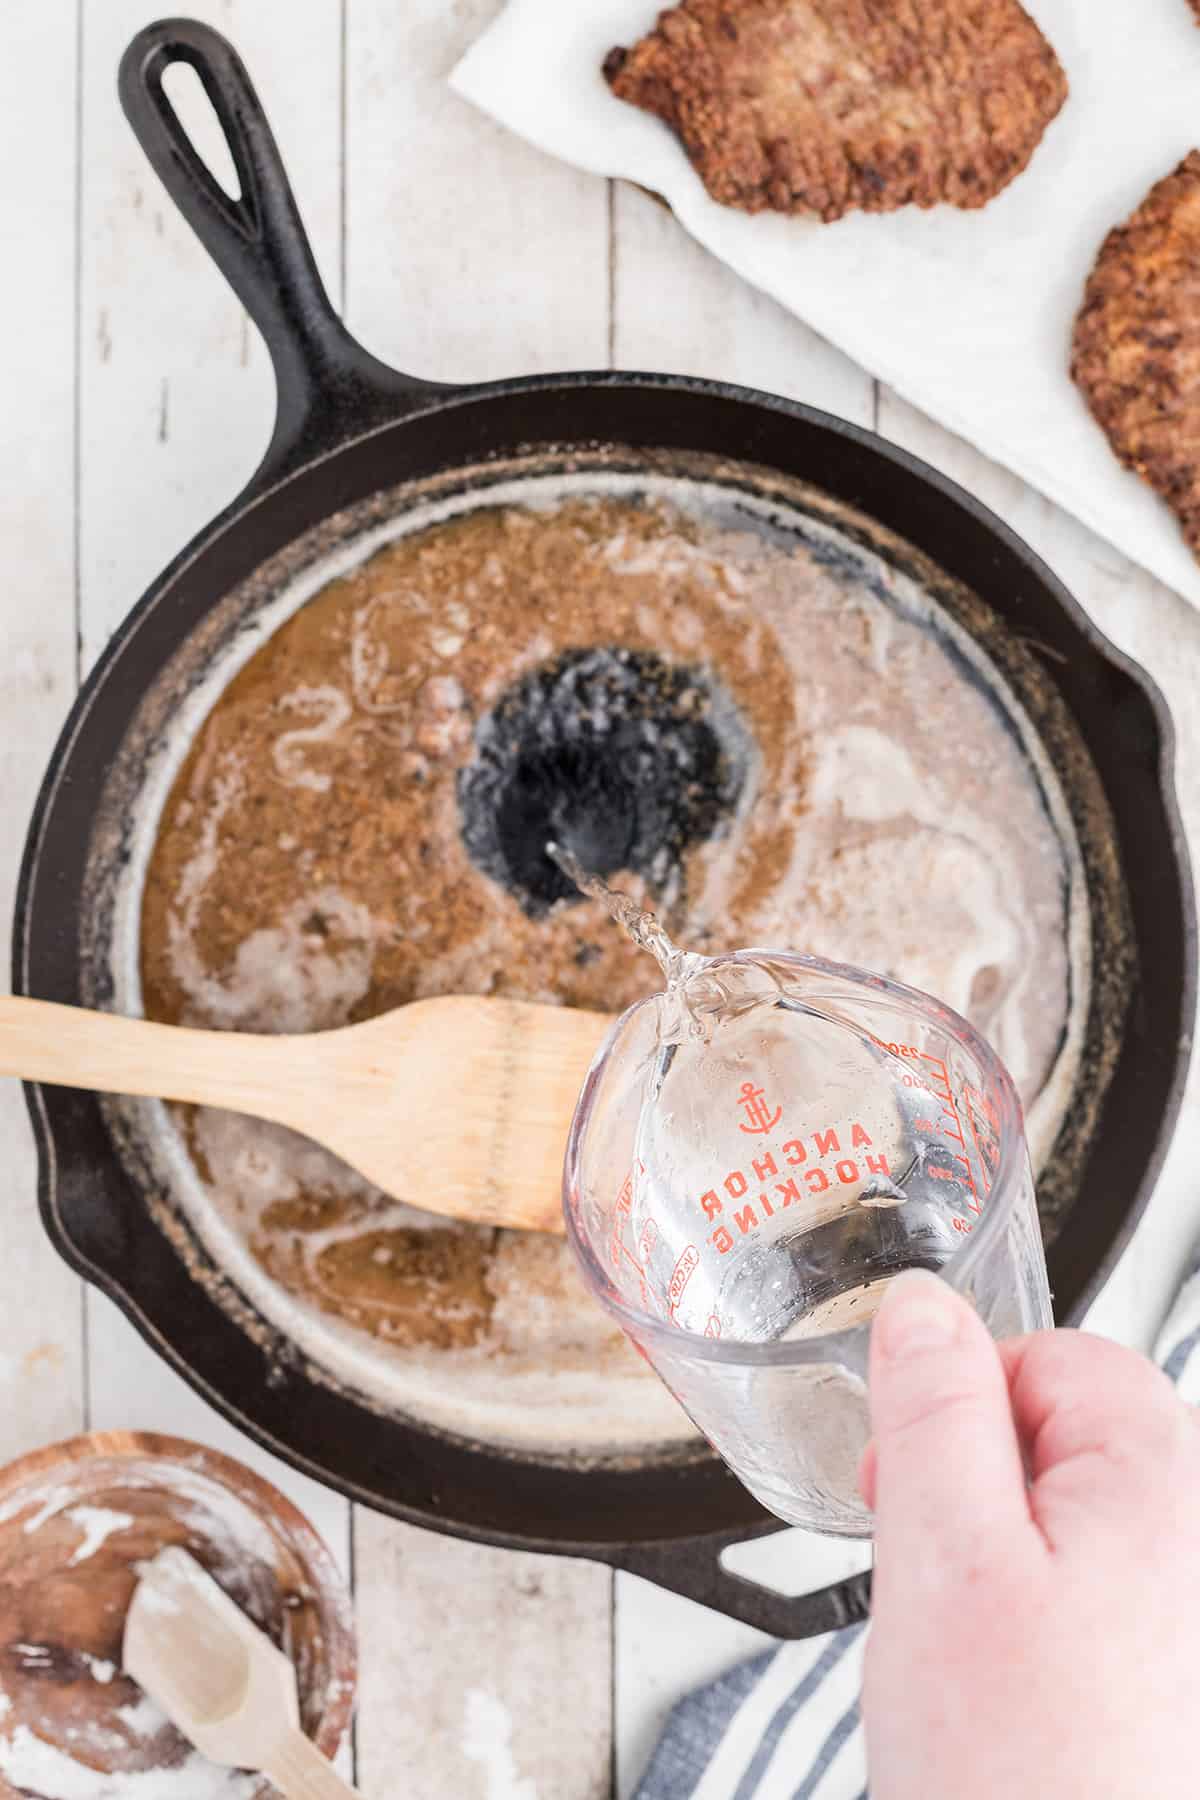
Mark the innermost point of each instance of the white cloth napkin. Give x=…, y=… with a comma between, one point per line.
x=786, y=1724
x=966, y=314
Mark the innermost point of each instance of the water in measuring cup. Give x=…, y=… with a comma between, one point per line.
x=783, y=1179
x=787, y=1164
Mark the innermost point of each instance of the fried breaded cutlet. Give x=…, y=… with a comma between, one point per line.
x=1136, y=350
x=833, y=106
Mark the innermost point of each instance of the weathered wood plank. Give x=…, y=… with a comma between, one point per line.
x=677, y=308
x=41, y=1364
x=482, y=1673
x=469, y=254
x=176, y=397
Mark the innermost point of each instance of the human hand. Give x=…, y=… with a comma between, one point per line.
x=1027, y=1639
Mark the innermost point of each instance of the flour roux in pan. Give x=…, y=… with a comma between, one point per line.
x=308, y=870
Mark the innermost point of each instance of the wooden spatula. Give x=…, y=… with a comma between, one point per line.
x=459, y=1105
x=220, y=1680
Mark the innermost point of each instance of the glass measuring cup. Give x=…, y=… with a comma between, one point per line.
x=753, y=1156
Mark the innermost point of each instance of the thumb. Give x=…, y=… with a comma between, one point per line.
x=948, y=1477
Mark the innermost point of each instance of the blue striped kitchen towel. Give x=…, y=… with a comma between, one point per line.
x=785, y=1725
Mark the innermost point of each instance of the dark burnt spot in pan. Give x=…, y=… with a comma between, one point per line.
x=626, y=759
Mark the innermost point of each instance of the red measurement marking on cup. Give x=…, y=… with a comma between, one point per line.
x=681, y=1274
x=713, y=1328
x=622, y=1208
x=648, y=1239
x=973, y=1097
x=911, y=1078
x=950, y=1125
x=618, y=1249
x=635, y=1265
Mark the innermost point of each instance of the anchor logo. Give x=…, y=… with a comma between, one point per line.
x=759, y=1118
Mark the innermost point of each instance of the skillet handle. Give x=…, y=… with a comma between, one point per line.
x=692, y=1567
x=329, y=388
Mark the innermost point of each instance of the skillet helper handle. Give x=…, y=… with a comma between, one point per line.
x=70, y=1046
x=694, y=1569
x=329, y=388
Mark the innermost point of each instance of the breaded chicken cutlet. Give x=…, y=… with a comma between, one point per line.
x=833, y=106
x=1136, y=349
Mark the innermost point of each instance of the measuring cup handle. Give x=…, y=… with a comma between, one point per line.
x=693, y=1568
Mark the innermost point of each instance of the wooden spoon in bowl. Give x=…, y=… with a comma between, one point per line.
x=459, y=1105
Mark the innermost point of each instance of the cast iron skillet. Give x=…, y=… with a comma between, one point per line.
x=348, y=427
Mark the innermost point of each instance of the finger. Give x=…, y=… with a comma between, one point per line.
x=1101, y=1428
x=866, y=1476
x=949, y=1484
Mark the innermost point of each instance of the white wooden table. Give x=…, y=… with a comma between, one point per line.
x=137, y=399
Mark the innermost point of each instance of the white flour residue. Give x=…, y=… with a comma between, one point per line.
x=153, y=1599
x=45, y=1502
x=97, y=1525
x=487, y=1740
x=911, y=834
x=199, y=868
x=542, y=1311
x=143, y=1718
x=304, y=974
x=254, y=1166
x=289, y=751
x=33, y=1766
x=99, y=1667
x=216, y=1513
x=376, y=685
x=174, y=1583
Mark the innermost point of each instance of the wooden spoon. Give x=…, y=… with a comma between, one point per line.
x=220, y=1680
x=459, y=1105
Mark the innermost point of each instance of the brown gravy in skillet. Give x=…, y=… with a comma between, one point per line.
x=807, y=766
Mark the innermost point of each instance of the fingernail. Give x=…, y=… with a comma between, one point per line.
x=919, y=1312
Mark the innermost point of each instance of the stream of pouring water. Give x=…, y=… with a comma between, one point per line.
x=640, y=925
x=694, y=995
